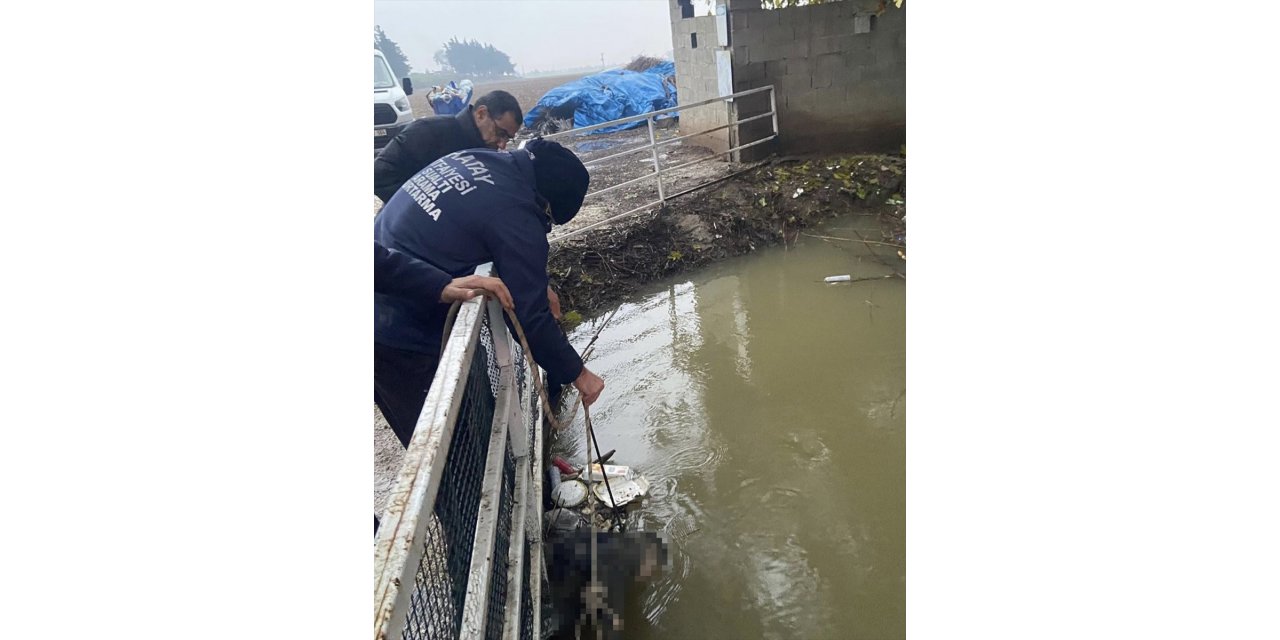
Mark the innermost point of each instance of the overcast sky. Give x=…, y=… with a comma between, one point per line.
x=537, y=34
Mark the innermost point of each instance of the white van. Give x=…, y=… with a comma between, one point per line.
x=391, y=110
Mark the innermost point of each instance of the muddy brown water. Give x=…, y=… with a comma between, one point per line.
x=767, y=410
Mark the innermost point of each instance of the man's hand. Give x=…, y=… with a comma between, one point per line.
x=463, y=289
x=554, y=301
x=589, y=385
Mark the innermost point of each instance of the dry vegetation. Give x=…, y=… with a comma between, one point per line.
x=767, y=205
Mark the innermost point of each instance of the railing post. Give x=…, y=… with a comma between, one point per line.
x=734, y=134
x=773, y=106
x=653, y=146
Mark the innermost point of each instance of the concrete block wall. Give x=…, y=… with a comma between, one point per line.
x=696, y=78
x=837, y=89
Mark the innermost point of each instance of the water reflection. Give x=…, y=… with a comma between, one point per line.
x=724, y=320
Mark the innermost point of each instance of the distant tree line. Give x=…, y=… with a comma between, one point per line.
x=469, y=58
x=395, y=57
x=474, y=59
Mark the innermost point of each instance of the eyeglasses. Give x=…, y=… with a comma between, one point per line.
x=503, y=134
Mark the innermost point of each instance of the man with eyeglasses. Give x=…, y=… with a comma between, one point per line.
x=491, y=122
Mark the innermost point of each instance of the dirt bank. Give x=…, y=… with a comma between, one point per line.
x=763, y=206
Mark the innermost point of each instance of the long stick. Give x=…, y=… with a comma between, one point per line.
x=587, y=350
x=591, y=519
x=873, y=251
x=586, y=353
x=591, y=439
x=885, y=244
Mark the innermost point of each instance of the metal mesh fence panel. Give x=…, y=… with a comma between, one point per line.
x=490, y=362
x=432, y=611
x=532, y=416
x=501, y=548
x=522, y=368
x=434, y=608
x=526, y=599
x=436, y=604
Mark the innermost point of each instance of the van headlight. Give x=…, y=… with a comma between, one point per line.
x=402, y=104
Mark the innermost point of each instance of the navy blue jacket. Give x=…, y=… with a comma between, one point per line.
x=396, y=274
x=463, y=210
x=421, y=143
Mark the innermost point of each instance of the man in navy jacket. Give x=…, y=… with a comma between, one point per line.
x=465, y=209
x=396, y=274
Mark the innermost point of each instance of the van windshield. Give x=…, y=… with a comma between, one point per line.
x=382, y=78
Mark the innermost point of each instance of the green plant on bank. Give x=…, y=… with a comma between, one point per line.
x=863, y=176
x=570, y=320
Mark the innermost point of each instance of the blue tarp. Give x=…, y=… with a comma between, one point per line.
x=610, y=95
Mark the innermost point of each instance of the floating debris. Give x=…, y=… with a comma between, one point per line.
x=609, y=471
x=570, y=494
x=571, y=491
x=623, y=492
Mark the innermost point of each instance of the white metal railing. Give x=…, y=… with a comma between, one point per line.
x=654, y=144
x=456, y=493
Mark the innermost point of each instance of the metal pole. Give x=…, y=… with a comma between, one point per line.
x=773, y=106
x=734, y=134
x=653, y=146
